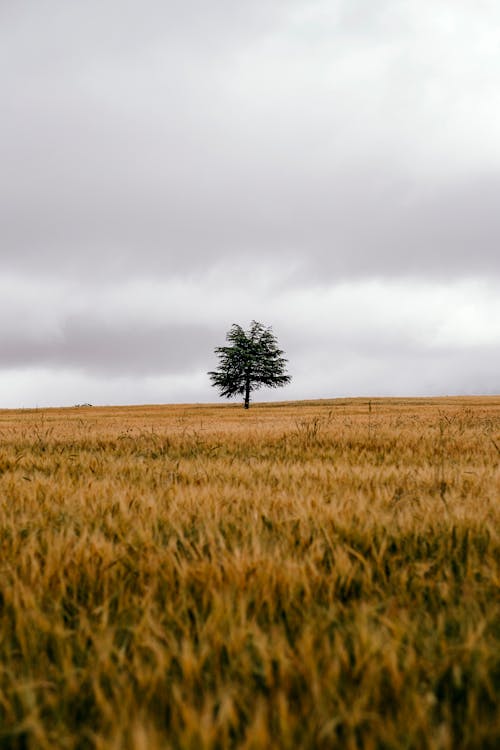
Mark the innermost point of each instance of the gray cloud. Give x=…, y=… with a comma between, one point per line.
x=162, y=138
x=117, y=349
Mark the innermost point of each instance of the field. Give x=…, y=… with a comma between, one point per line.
x=306, y=575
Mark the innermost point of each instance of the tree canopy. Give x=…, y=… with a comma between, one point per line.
x=251, y=359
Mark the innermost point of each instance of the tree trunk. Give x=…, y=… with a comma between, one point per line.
x=247, y=393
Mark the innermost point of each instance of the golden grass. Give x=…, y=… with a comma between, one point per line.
x=305, y=575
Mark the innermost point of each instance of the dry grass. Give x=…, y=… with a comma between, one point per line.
x=310, y=575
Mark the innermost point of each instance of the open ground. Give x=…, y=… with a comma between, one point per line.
x=302, y=575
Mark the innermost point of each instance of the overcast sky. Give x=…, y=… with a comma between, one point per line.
x=328, y=167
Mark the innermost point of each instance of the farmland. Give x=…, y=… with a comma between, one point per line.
x=301, y=575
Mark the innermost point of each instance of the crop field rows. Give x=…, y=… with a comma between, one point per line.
x=299, y=575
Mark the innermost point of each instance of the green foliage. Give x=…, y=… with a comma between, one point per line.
x=252, y=360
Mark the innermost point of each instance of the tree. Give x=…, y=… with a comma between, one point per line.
x=251, y=360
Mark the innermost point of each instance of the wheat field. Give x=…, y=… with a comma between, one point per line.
x=301, y=575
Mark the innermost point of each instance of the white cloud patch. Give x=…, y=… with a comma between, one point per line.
x=43, y=387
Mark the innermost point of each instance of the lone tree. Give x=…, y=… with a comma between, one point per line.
x=252, y=359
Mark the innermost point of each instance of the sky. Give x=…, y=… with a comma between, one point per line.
x=329, y=168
